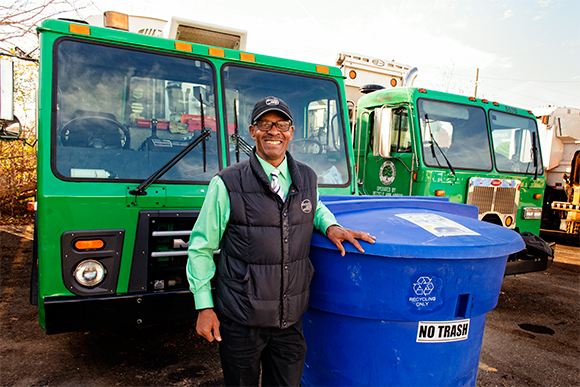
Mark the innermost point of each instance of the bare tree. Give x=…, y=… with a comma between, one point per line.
x=449, y=82
x=19, y=19
x=18, y=23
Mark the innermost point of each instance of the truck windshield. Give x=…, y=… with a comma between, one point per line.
x=319, y=131
x=458, y=131
x=515, y=143
x=122, y=114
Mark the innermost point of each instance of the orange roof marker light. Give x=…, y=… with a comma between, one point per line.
x=247, y=57
x=322, y=69
x=79, y=29
x=217, y=52
x=182, y=46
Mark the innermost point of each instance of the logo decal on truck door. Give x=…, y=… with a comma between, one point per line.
x=387, y=173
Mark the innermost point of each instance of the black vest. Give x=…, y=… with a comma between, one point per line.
x=263, y=272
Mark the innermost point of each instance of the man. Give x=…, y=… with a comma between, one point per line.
x=261, y=214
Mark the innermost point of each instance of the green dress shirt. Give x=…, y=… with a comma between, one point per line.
x=211, y=224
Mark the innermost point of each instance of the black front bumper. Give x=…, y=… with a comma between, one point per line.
x=67, y=314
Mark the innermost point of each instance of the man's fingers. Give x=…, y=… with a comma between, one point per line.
x=339, y=246
x=206, y=334
x=216, y=333
x=357, y=245
x=365, y=236
x=208, y=325
x=338, y=235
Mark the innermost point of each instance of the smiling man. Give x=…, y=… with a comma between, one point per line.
x=260, y=214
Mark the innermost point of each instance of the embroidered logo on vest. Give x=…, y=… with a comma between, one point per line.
x=306, y=206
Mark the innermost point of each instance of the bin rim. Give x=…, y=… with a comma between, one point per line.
x=397, y=237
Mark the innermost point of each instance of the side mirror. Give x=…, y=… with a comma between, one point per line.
x=6, y=90
x=382, y=142
x=10, y=130
x=10, y=126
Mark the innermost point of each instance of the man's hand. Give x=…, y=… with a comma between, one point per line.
x=208, y=325
x=338, y=234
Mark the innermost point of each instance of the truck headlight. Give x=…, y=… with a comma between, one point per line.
x=89, y=273
x=532, y=213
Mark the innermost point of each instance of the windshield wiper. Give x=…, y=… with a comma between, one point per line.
x=236, y=139
x=205, y=133
x=438, y=147
x=535, y=155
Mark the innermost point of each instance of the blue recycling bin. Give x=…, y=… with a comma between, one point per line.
x=411, y=310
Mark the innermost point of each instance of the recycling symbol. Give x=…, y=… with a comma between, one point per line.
x=423, y=287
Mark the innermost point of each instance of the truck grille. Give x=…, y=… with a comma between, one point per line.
x=160, y=254
x=494, y=196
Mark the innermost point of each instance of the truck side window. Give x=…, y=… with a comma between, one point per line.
x=400, y=133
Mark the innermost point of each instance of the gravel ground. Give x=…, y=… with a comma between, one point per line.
x=531, y=338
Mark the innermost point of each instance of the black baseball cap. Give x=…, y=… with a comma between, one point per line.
x=269, y=104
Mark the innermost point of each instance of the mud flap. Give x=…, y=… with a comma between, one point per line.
x=537, y=256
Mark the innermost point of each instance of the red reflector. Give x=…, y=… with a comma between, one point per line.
x=439, y=192
x=496, y=182
x=537, y=196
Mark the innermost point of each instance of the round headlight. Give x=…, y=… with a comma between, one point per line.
x=89, y=273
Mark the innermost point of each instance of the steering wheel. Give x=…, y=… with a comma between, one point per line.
x=310, y=146
x=95, y=132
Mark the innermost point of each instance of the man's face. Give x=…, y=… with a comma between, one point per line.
x=271, y=145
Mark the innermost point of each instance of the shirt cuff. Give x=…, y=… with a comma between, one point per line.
x=203, y=300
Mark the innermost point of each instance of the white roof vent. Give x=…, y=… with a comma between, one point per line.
x=208, y=34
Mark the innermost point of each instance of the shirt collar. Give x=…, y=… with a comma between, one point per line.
x=268, y=168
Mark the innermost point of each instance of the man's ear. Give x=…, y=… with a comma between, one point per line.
x=253, y=132
x=291, y=131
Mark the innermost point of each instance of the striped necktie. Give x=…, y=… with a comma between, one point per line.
x=275, y=184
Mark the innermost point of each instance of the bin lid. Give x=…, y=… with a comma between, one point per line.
x=419, y=227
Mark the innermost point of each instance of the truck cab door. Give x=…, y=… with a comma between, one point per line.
x=388, y=161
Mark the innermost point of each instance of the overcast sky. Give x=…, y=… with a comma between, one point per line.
x=527, y=51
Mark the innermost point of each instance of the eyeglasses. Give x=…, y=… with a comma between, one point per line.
x=282, y=126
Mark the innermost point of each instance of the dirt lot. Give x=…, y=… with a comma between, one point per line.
x=531, y=338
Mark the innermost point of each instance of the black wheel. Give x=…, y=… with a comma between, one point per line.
x=95, y=132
